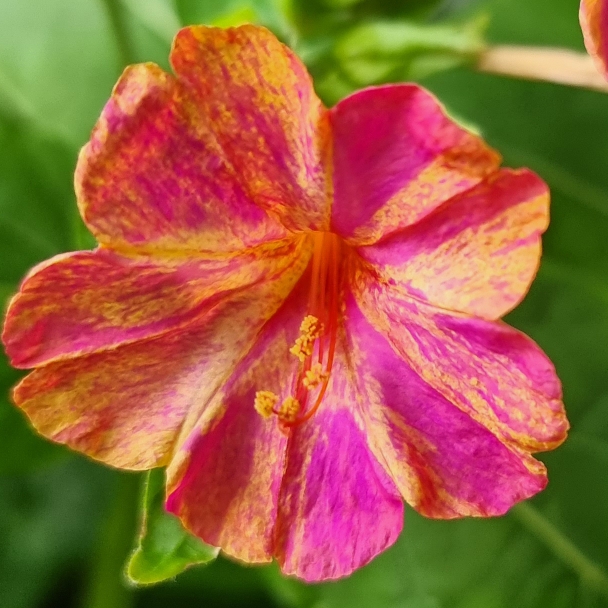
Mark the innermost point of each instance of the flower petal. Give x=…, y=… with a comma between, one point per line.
x=397, y=156
x=489, y=371
x=226, y=475
x=232, y=474
x=594, y=23
x=338, y=508
x=153, y=175
x=125, y=406
x=84, y=302
x=445, y=463
x=477, y=253
x=259, y=102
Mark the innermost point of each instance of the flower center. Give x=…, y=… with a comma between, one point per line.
x=315, y=347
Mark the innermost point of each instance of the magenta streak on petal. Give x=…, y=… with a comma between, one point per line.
x=377, y=151
x=338, y=509
x=446, y=464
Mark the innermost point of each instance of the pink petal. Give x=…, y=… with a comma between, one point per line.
x=594, y=23
x=235, y=476
x=445, y=462
x=125, y=406
x=477, y=253
x=225, y=478
x=397, y=156
x=153, y=175
x=489, y=371
x=84, y=302
x=338, y=508
x=257, y=98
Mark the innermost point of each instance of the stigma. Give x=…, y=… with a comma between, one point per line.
x=314, y=348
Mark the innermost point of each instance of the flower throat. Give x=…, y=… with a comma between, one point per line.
x=316, y=345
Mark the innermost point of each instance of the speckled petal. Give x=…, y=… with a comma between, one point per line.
x=477, y=253
x=489, y=371
x=594, y=22
x=226, y=475
x=125, y=406
x=338, y=508
x=83, y=302
x=397, y=156
x=445, y=463
x=258, y=99
x=154, y=177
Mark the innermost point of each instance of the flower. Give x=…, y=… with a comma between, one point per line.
x=296, y=310
x=594, y=22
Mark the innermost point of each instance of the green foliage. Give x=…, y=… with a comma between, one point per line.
x=63, y=532
x=164, y=548
x=274, y=14
x=400, y=50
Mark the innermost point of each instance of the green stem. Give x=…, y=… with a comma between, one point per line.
x=564, y=549
x=107, y=585
x=116, y=14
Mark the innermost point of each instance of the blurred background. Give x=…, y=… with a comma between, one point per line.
x=67, y=525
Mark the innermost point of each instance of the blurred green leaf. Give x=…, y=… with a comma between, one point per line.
x=37, y=204
x=391, y=50
x=59, y=57
x=164, y=548
x=341, y=3
x=48, y=520
x=277, y=15
x=160, y=16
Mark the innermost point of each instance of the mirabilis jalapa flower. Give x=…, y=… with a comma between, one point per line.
x=594, y=22
x=296, y=310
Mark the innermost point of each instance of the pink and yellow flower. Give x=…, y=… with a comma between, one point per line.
x=594, y=22
x=296, y=310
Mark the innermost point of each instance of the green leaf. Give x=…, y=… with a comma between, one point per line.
x=165, y=548
x=159, y=16
x=400, y=50
x=277, y=15
x=60, y=60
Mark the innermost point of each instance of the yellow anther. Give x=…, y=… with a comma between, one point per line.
x=310, y=327
x=310, y=330
x=289, y=409
x=314, y=376
x=264, y=403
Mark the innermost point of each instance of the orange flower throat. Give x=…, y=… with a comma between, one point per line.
x=315, y=347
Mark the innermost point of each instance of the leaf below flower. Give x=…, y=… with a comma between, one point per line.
x=164, y=548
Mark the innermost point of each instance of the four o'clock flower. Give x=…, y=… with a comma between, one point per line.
x=296, y=310
x=594, y=22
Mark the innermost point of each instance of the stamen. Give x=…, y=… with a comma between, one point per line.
x=310, y=330
x=289, y=410
x=315, y=347
x=265, y=402
x=314, y=376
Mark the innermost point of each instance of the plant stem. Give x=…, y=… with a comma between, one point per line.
x=563, y=548
x=556, y=65
x=107, y=584
x=116, y=14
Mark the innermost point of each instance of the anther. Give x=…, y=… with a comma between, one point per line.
x=289, y=410
x=314, y=377
x=310, y=330
x=265, y=402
